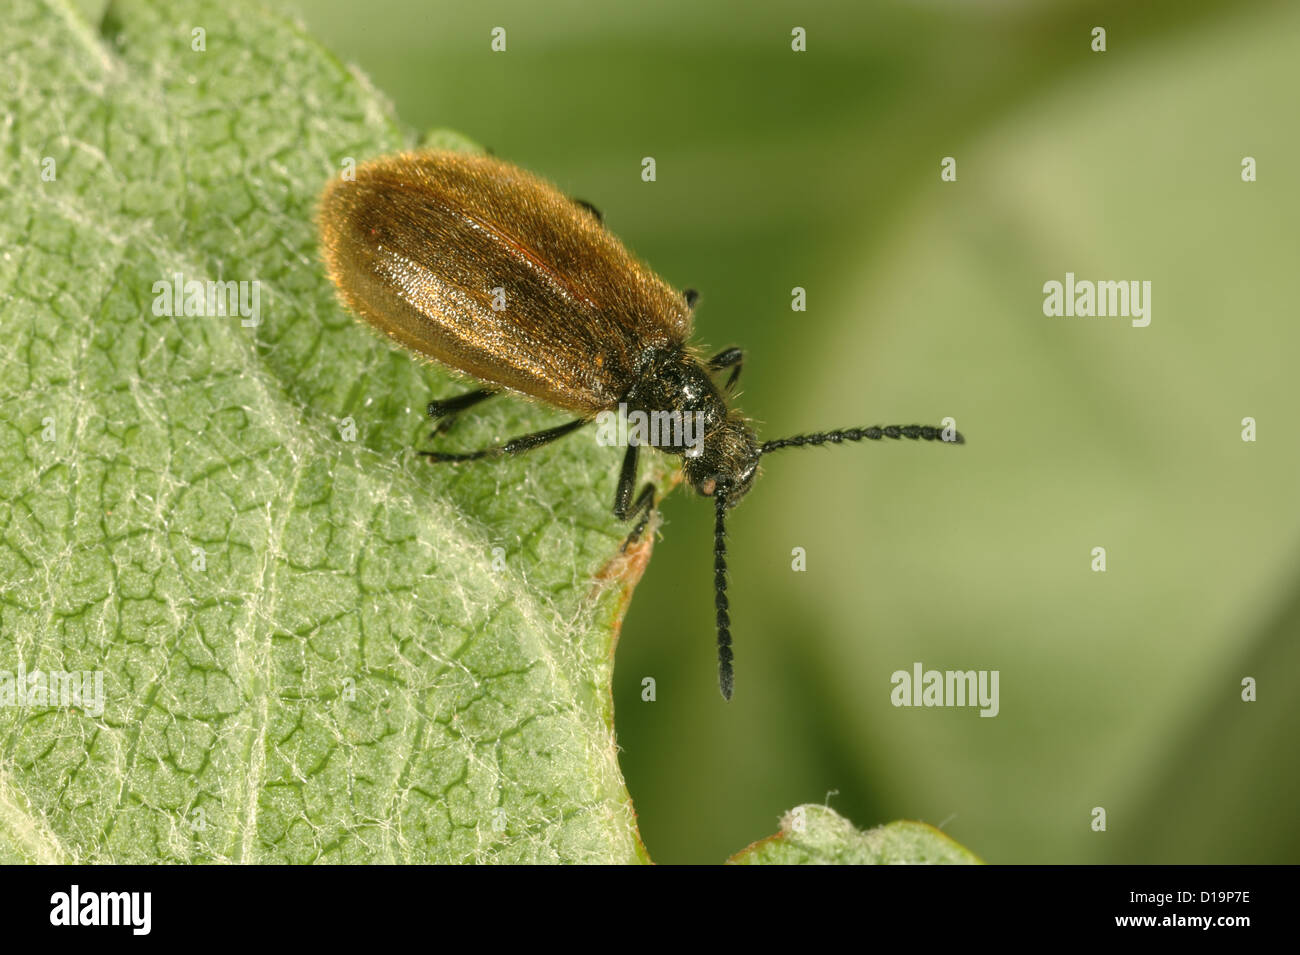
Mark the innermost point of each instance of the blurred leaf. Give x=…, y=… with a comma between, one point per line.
x=817, y=835
x=1084, y=432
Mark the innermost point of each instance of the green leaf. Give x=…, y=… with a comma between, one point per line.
x=312, y=648
x=313, y=645
x=817, y=835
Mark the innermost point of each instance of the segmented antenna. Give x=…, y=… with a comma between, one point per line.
x=726, y=679
x=913, y=431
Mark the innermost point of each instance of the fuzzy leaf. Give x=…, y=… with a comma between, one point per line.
x=813, y=834
x=314, y=645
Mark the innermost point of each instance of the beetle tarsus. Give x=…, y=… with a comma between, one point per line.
x=645, y=505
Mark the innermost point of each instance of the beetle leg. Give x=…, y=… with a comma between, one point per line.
x=525, y=442
x=441, y=407
x=645, y=506
x=445, y=410
x=583, y=203
x=624, y=509
x=733, y=358
x=626, y=481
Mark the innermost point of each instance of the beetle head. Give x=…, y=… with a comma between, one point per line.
x=727, y=462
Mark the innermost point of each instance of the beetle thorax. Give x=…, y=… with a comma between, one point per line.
x=687, y=415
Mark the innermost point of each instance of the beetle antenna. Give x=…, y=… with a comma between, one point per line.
x=726, y=678
x=913, y=431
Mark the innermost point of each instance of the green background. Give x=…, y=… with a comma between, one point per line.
x=821, y=170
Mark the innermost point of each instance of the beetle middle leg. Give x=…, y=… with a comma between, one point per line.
x=733, y=358
x=525, y=442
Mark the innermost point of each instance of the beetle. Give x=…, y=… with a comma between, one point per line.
x=494, y=272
